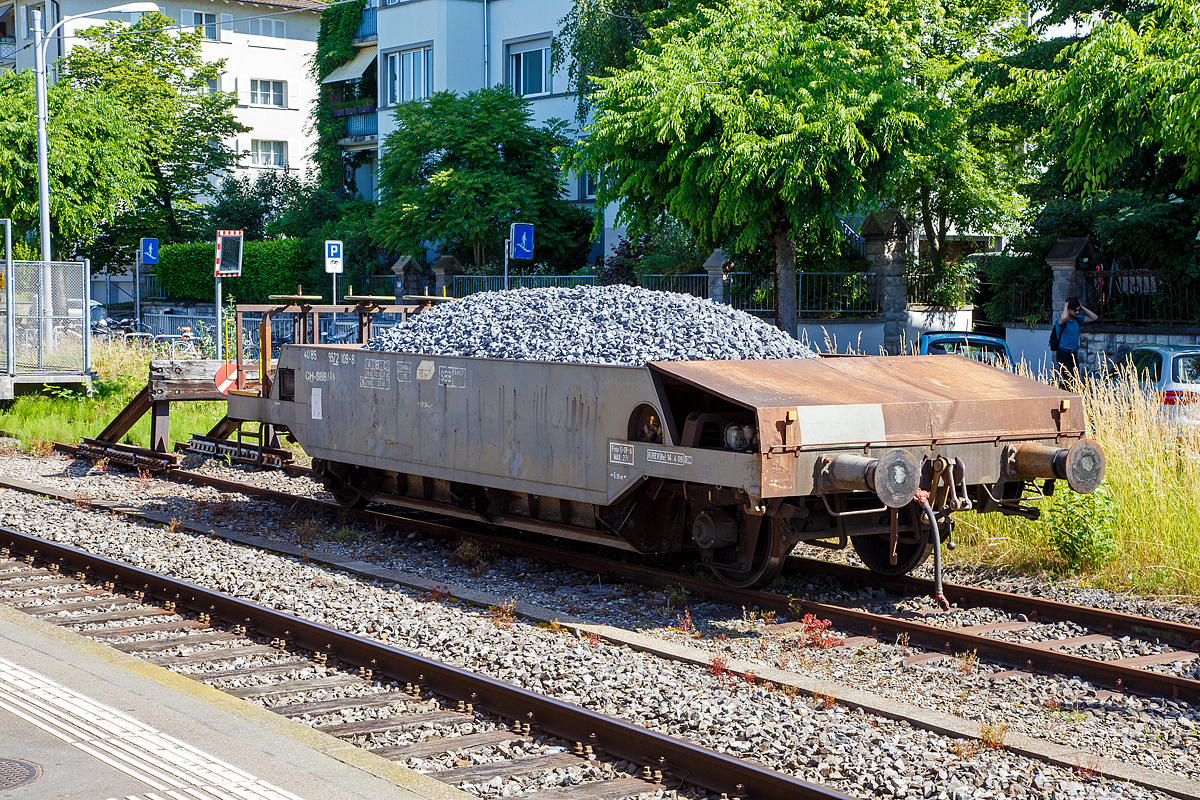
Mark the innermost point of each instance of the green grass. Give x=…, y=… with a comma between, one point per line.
x=40, y=420
x=1153, y=477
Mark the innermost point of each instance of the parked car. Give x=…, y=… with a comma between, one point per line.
x=1172, y=373
x=991, y=350
x=75, y=309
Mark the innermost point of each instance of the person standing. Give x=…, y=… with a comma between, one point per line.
x=1067, y=356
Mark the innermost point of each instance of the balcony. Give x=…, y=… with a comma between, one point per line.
x=367, y=29
x=359, y=126
x=8, y=48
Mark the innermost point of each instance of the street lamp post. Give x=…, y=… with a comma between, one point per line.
x=43, y=114
x=40, y=41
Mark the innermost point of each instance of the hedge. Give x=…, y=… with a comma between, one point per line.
x=274, y=266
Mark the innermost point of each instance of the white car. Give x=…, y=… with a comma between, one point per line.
x=1173, y=373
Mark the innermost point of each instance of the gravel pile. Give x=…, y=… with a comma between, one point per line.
x=618, y=324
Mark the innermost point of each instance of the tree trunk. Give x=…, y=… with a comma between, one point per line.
x=933, y=240
x=787, y=314
x=164, y=197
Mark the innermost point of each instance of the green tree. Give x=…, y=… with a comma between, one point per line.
x=598, y=37
x=761, y=119
x=250, y=204
x=1129, y=97
x=459, y=169
x=964, y=168
x=94, y=163
x=158, y=74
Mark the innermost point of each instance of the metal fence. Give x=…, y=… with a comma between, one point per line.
x=820, y=294
x=696, y=285
x=1141, y=296
x=470, y=284
x=45, y=318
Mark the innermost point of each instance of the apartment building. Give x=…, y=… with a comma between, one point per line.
x=267, y=47
x=409, y=49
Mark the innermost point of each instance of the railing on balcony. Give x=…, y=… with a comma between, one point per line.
x=362, y=125
x=368, y=27
x=8, y=48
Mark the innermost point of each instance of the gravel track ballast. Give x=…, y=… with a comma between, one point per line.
x=619, y=324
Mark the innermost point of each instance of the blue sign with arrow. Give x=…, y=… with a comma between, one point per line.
x=521, y=235
x=149, y=251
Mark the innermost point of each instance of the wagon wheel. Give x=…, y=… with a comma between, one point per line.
x=338, y=484
x=770, y=553
x=874, y=550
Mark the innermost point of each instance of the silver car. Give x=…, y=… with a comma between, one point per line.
x=1173, y=373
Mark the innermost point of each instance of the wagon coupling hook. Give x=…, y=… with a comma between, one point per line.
x=922, y=499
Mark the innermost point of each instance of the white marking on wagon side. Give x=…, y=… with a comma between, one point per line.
x=841, y=424
x=620, y=453
x=314, y=405
x=668, y=457
x=404, y=371
x=377, y=374
x=424, y=370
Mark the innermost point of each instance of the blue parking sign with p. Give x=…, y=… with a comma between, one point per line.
x=333, y=256
x=149, y=251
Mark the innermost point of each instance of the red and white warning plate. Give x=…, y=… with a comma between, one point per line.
x=226, y=378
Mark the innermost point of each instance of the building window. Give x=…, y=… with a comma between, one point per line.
x=268, y=154
x=587, y=187
x=529, y=67
x=268, y=93
x=271, y=28
x=409, y=75
x=206, y=24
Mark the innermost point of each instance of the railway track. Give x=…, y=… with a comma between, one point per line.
x=360, y=690
x=1177, y=642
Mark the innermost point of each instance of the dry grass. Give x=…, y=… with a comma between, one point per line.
x=121, y=371
x=1153, y=476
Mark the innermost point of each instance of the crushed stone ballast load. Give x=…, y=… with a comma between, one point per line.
x=618, y=324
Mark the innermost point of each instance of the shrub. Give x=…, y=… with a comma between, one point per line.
x=1082, y=528
x=274, y=266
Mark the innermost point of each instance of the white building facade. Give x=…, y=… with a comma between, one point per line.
x=267, y=48
x=418, y=47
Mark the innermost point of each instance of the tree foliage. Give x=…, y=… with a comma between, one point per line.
x=251, y=204
x=335, y=46
x=598, y=37
x=158, y=74
x=965, y=166
x=1128, y=91
x=94, y=163
x=459, y=169
x=755, y=121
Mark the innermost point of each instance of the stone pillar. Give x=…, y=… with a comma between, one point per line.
x=400, y=270
x=715, y=267
x=1066, y=284
x=443, y=272
x=885, y=235
x=1064, y=260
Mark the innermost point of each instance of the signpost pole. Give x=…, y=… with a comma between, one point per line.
x=137, y=292
x=506, y=257
x=334, y=261
x=333, y=329
x=218, y=351
x=10, y=300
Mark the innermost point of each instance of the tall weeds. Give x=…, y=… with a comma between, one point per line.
x=1153, y=480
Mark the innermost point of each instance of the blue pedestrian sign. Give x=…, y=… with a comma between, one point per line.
x=333, y=256
x=521, y=235
x=149, y=251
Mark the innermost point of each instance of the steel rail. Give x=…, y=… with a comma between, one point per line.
x=1117, y=623
x=1014, y=655
x=618, y=739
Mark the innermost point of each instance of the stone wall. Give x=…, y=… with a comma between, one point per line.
x=1100, y=346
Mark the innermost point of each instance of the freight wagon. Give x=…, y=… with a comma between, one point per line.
x=738, y=460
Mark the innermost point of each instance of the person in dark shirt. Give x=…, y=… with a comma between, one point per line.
x=1067, y=356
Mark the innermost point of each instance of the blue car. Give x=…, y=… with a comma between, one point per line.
x=991, y=350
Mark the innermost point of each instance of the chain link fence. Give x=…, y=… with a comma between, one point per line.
x=46, y=317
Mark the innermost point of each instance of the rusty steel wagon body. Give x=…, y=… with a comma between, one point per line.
x=740, y=460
